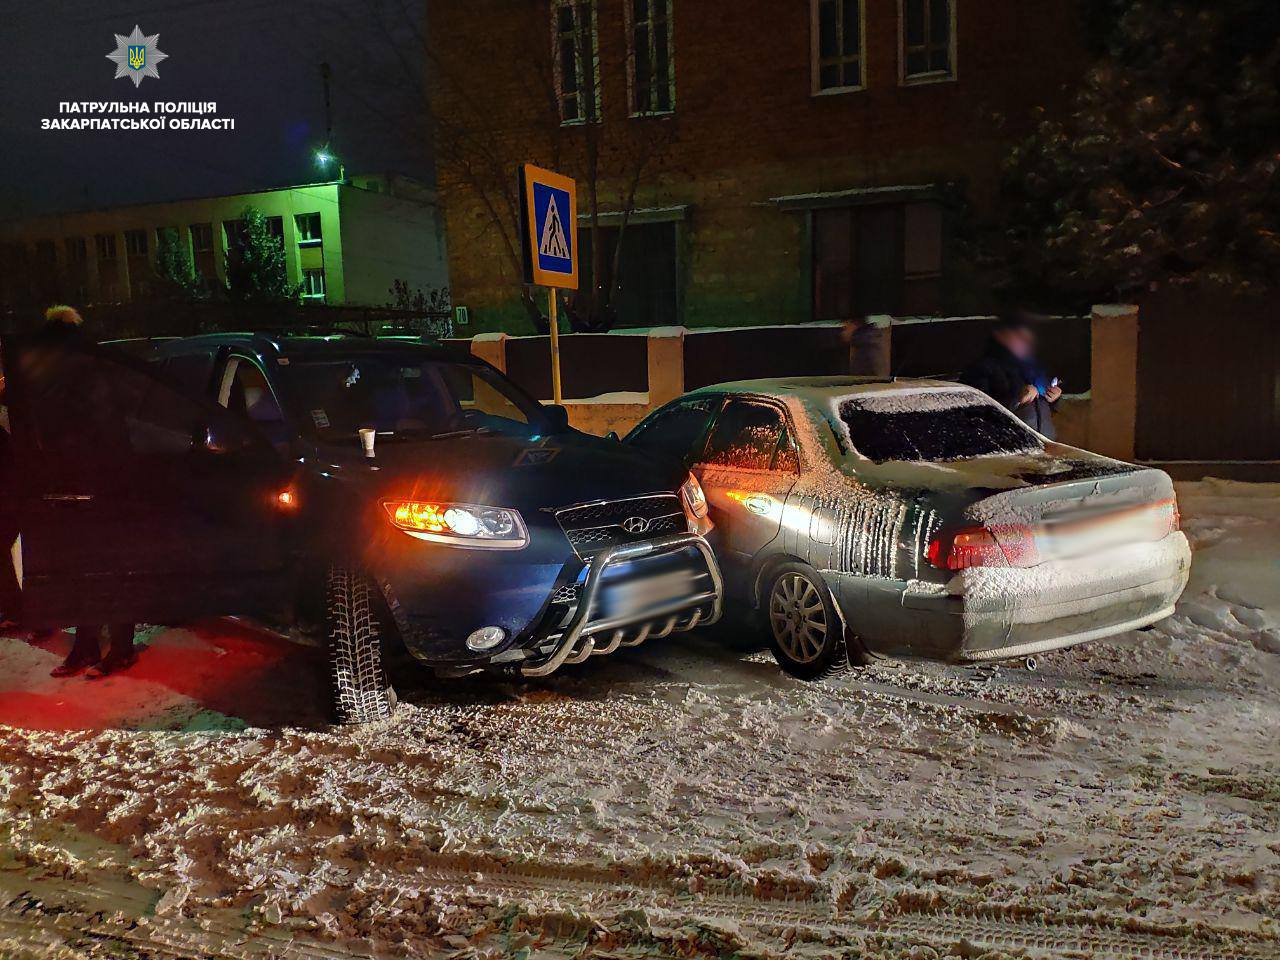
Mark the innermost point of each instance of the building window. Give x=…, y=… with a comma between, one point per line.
x=645, y=292
x=313, y=284
x=77, y=250
x=837, y=45
x=135, y=243
x=308, y=228
x=652, y=62
x=578, y=88
x=928, y=40
x=106, y=244
x=880, y=258
x=201, y=237
x=232, y=231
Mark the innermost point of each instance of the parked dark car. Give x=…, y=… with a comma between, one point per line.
x=918, y=519
x=418, y=494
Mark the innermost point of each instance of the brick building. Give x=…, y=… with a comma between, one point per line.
x=788, y=161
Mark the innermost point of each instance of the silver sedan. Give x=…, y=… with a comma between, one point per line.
x=918, y=519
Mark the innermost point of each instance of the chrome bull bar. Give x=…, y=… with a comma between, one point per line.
x=578, y=641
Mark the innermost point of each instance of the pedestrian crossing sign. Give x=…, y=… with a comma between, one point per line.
x=549, y=210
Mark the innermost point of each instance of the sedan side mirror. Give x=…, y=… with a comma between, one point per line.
x=557, y=417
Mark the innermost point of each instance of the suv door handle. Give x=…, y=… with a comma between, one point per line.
x=67, y=497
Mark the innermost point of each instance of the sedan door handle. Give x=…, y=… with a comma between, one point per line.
x=67, y=497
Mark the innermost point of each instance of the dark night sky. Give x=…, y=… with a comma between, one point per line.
x=258, y=59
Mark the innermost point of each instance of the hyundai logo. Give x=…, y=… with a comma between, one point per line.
x=635, y=524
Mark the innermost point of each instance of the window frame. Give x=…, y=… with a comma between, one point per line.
x=136, y=235
x=224, y=374
x=788, y=432
x=105, y=247
x=556, y=6
x=205, y=229
x=815, y=57
x=933, y=76
x=633, y=88
x=77, y=249
x=907, y=279
x=309, y=240
x=324, y=284
x=717, y=402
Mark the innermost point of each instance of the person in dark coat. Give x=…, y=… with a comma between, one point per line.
x=866, y=345
x=9, y=590
x=1010, y=374
x=79, y=410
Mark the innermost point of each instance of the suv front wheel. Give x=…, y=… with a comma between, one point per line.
x=357, y=675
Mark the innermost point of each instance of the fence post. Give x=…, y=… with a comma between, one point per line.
x=491, y=347
x=873, y=348
x=1113, y=388
x=666, y=364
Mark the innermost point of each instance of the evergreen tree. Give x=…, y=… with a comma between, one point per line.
x=255, y=263
x=1165, y=170
x=176, y=275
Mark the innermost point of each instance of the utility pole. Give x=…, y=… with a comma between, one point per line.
x=325, y=74
x=325, y=156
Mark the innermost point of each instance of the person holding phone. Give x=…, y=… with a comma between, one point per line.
x=1010, y=373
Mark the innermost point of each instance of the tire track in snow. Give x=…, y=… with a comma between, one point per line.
x=476, y=877
x=47, y=915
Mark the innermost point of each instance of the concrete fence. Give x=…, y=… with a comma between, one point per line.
x=613, y=380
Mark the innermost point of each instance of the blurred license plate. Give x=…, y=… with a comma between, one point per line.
x=634, y=595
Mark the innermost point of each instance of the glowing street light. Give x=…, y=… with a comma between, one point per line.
x=324, y=158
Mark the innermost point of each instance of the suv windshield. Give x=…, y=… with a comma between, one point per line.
x=933, y=427
x=400, y=396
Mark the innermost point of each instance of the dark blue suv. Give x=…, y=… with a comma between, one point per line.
x=433, y=502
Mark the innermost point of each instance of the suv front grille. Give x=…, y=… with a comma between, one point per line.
x=594, y=527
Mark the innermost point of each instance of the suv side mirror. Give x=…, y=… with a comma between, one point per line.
x=557, y=417
x=613, y=435
x=214, y=437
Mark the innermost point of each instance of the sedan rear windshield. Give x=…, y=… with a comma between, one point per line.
x=918, y=427
x=406, y=397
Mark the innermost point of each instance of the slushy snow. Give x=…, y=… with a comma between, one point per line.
x=682, y=799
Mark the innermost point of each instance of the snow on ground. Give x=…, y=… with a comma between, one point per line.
x=683, y=799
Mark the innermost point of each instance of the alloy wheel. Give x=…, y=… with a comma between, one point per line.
x=798, y=618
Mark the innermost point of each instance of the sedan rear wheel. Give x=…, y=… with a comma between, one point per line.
x=804, y=628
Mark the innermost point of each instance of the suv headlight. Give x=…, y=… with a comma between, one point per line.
x=695, y=505
x=459, y=524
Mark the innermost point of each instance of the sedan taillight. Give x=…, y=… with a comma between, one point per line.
x=1006, y=545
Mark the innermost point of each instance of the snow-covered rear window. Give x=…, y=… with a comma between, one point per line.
x=937, y=427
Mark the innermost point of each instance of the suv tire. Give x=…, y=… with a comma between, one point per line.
x=358, y=679
x=802, y=623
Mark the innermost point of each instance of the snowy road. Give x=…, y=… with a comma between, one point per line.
x=683, y=799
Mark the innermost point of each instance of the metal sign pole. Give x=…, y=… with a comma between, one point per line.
x=556, y=396
x=548, y=218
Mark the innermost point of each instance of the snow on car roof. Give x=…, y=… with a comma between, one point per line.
x=821, y=391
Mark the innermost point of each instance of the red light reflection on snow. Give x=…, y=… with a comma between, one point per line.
x=211, y=674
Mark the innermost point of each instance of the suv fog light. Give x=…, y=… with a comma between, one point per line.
x=486, y=638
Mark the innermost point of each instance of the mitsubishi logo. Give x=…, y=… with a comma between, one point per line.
x=635, y=524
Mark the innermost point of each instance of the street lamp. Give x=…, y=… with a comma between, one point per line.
x=324, y=158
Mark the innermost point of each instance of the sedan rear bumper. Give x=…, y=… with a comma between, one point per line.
x=996, y=613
